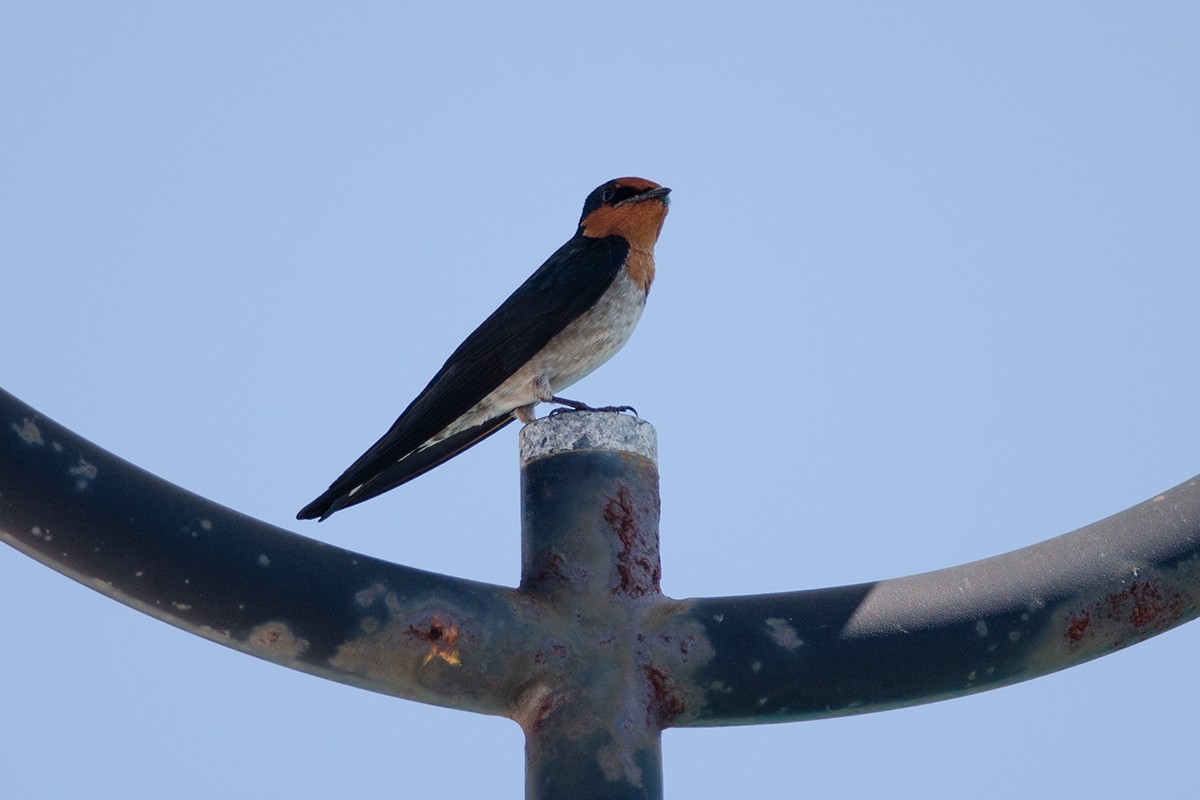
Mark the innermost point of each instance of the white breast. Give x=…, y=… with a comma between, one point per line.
x=595, y=337
x=579, y=349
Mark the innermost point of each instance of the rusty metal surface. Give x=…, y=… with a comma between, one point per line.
x=248, y=585
x=587, y=655
x=592, y=715
x=956, y=631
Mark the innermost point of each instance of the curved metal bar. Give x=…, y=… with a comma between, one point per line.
x=587, y=655
x=956, y=631
x=246, y=584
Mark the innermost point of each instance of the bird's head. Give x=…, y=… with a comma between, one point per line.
x=630, y=207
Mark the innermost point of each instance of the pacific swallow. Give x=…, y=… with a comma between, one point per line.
x=567, y=319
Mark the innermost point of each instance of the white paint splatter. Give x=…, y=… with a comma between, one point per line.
x=784, y=634
x=28, y=431
x=84, y=473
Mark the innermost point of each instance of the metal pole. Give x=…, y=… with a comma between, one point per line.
x=590, y=562
x=587, y=654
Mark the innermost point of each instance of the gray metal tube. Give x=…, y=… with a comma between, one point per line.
x=590, y=561
x=587, y=654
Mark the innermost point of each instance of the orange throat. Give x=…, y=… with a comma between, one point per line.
x=640, y=266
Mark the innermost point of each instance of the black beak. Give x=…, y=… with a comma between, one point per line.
x=650, y=194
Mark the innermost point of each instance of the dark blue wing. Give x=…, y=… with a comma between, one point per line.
x=562, y=289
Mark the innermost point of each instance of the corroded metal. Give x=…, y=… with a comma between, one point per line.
x=956, y=631
x=590, y=564
x=587, y=654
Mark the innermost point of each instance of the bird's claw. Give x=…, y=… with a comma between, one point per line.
x=573, y=407
x=618, y=410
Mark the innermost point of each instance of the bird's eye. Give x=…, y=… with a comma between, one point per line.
x=608, y=195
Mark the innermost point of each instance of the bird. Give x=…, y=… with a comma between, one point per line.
x=569, y=317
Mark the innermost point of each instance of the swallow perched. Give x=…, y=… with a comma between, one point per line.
x=567, y=319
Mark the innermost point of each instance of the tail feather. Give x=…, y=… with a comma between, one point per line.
x=411, y=466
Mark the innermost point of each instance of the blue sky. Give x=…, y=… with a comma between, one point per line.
x=943, y=257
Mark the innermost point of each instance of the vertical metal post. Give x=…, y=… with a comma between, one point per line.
x=590, y=560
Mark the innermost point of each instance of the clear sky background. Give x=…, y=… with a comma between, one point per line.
x=927, y=293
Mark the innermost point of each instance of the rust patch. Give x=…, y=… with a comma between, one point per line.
x=1148, y=606
x=665, y=704
x=1077, y=625
x=552, y=652
x=638, y=566
x=548, y=569
x=1138, y=611
x=442, y=637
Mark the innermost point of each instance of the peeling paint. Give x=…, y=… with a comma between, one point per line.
x=84, y=473
x=366, y=597
x=277, y=639
x=617, y=764
x=397, y=651
x=783, y=634
x=29, y=432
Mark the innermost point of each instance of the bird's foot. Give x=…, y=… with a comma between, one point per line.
x=575, y=405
